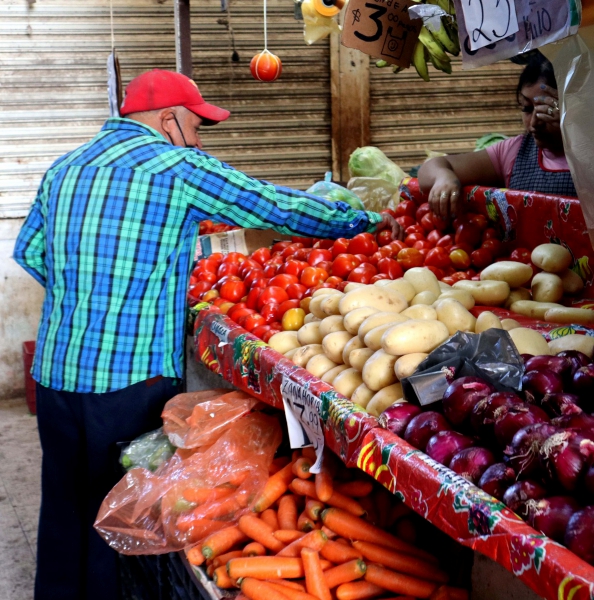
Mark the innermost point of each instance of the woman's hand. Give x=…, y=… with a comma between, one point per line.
x=546, y=106
x=389, y=222
x=444, y=197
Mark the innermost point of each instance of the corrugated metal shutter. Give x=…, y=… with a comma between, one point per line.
x=446, y=114
x=53, y=85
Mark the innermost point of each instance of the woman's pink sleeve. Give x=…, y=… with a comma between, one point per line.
x=503, y=156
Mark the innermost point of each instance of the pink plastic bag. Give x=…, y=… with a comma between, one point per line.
x=199, y=418
x=187, y=500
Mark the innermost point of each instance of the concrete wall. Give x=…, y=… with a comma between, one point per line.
x=20, y=308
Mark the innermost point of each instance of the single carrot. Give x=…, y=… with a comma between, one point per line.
x=339, y=553
x=309, y=452
x=301, y=468
x=399, y=583
x=203, y=495
x=329, y=533
x=348, y=571
x=222, y=579
x=260, y=590
x=223, y=559
x=359, y=590
x=356, y=488
x=269, y=516
x=403, y=563
x=224, y=507
x=195, y=556
x=186, y=521
x=314, y=540
x=254, y=549
x=352, y=527
x=236, y=478
x=446, y=592
x=313, y=508
x=275, y=487
x=326, y=564
x=336, y=499
x=287, y=512
x=314, y=576
x=341, y=540
x=259, y=531
x=286, y=536
x=265, y=567
x=290, y=593
x=222, y=541
x=294, y=585
x=323, y=480
x=304, y=523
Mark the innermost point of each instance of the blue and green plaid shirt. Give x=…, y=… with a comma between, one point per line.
x=111, y=236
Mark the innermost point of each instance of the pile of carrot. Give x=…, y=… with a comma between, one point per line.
x=312, y=538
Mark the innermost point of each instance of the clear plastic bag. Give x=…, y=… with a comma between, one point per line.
x=335, y=193
x=370, y=161
x=198, y=418
x=376, y=194
x=316, y=26
x=148, y=451
x=490, y=355
x=148, y=513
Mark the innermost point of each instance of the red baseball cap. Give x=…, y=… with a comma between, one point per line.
x=158, y=89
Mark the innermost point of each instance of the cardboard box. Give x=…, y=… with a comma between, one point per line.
x=238, y=240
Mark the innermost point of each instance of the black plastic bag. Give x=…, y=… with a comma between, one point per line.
x=490, y=355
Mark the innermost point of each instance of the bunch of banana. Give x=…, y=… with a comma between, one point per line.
x=433, y=46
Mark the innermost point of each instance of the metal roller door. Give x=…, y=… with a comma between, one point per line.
x=447, y=114
x=53, y=85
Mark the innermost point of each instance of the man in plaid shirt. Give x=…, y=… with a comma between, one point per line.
x=111, y=237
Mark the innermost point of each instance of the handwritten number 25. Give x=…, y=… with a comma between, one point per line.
x=375, y=16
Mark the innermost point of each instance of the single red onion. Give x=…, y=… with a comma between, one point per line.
x=518, y=495
x=560, y=404
x=461, y=396
x=423, y=427
x=514, y=418
x=523, y=452
x=551, y=515
x=557, y=364
x=583, y=386
x=576, y=358
x=398, y=416
x=484, y=412
x=471, y=463
x=496, y=479
x=526, y=357
x=582, y=423
x=443, y=445
x=536, y=384
x=579, y=535
x=565, y=456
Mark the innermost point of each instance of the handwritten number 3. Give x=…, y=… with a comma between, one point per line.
x=508, y=20
x=375, y=16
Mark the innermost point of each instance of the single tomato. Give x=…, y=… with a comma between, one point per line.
x=481, y=258
x=279, y=247
x=269, y=312
x=228, y=268
x=296, y=291
x=479, y=220
x=313, y=275
x=446, y=241
x=422, y=211
x=283, y=280
x=437, y=257
x=433, y=237
x=390, y=267
x=363, y=273
x=411, y=238
x=250, y=322
x=460, y=259
x=363, y=243
x=468, y=233
x=344, y=264
x=340, y=246
x=416, y=228
x=324, y=244
x=307, y=242
x=293, y=319
x=522, y=255
x=247, y=265
x=384, y=237
x=272, y=294
x=261, y=255
x=261, y=330
x=436, y=271
x=405, y=222
x=334, y=280
x=427, y=222
x=494, y=245
x=406, y=208
x=409, y=258
x=318, y=255
x=252, y=298
x=271, y=269
x=489, y=234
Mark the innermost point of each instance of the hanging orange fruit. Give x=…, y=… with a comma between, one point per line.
x=266, y=66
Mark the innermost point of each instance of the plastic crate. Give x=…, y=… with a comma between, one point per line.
x=28, y=353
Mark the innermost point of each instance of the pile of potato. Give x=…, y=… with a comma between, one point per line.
x=365, y=340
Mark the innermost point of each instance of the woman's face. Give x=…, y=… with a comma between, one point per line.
x=546, y=135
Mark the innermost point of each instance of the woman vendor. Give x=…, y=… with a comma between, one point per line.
x=534, y=161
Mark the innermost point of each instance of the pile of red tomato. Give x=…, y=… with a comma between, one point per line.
x=270, y=290
x=207, y=227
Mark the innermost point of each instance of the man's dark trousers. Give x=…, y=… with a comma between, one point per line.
x=79, y=434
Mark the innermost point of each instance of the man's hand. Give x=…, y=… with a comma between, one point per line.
x=389, y=222
x=444, y=197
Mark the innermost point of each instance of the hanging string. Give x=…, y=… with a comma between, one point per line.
x=111, y=24
x=265, y=32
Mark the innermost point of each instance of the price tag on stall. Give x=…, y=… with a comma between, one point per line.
x=302, y=411
x=488, y=21
x=381, y=28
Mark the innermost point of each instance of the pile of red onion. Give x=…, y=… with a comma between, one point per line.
x=533, y=449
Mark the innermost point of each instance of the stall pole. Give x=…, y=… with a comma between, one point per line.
x=183, y=37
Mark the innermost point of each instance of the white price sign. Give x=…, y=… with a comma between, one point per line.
x=302, y=411
x=488, y=21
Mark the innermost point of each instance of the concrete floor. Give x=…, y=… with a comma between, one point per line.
x=20, y=496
